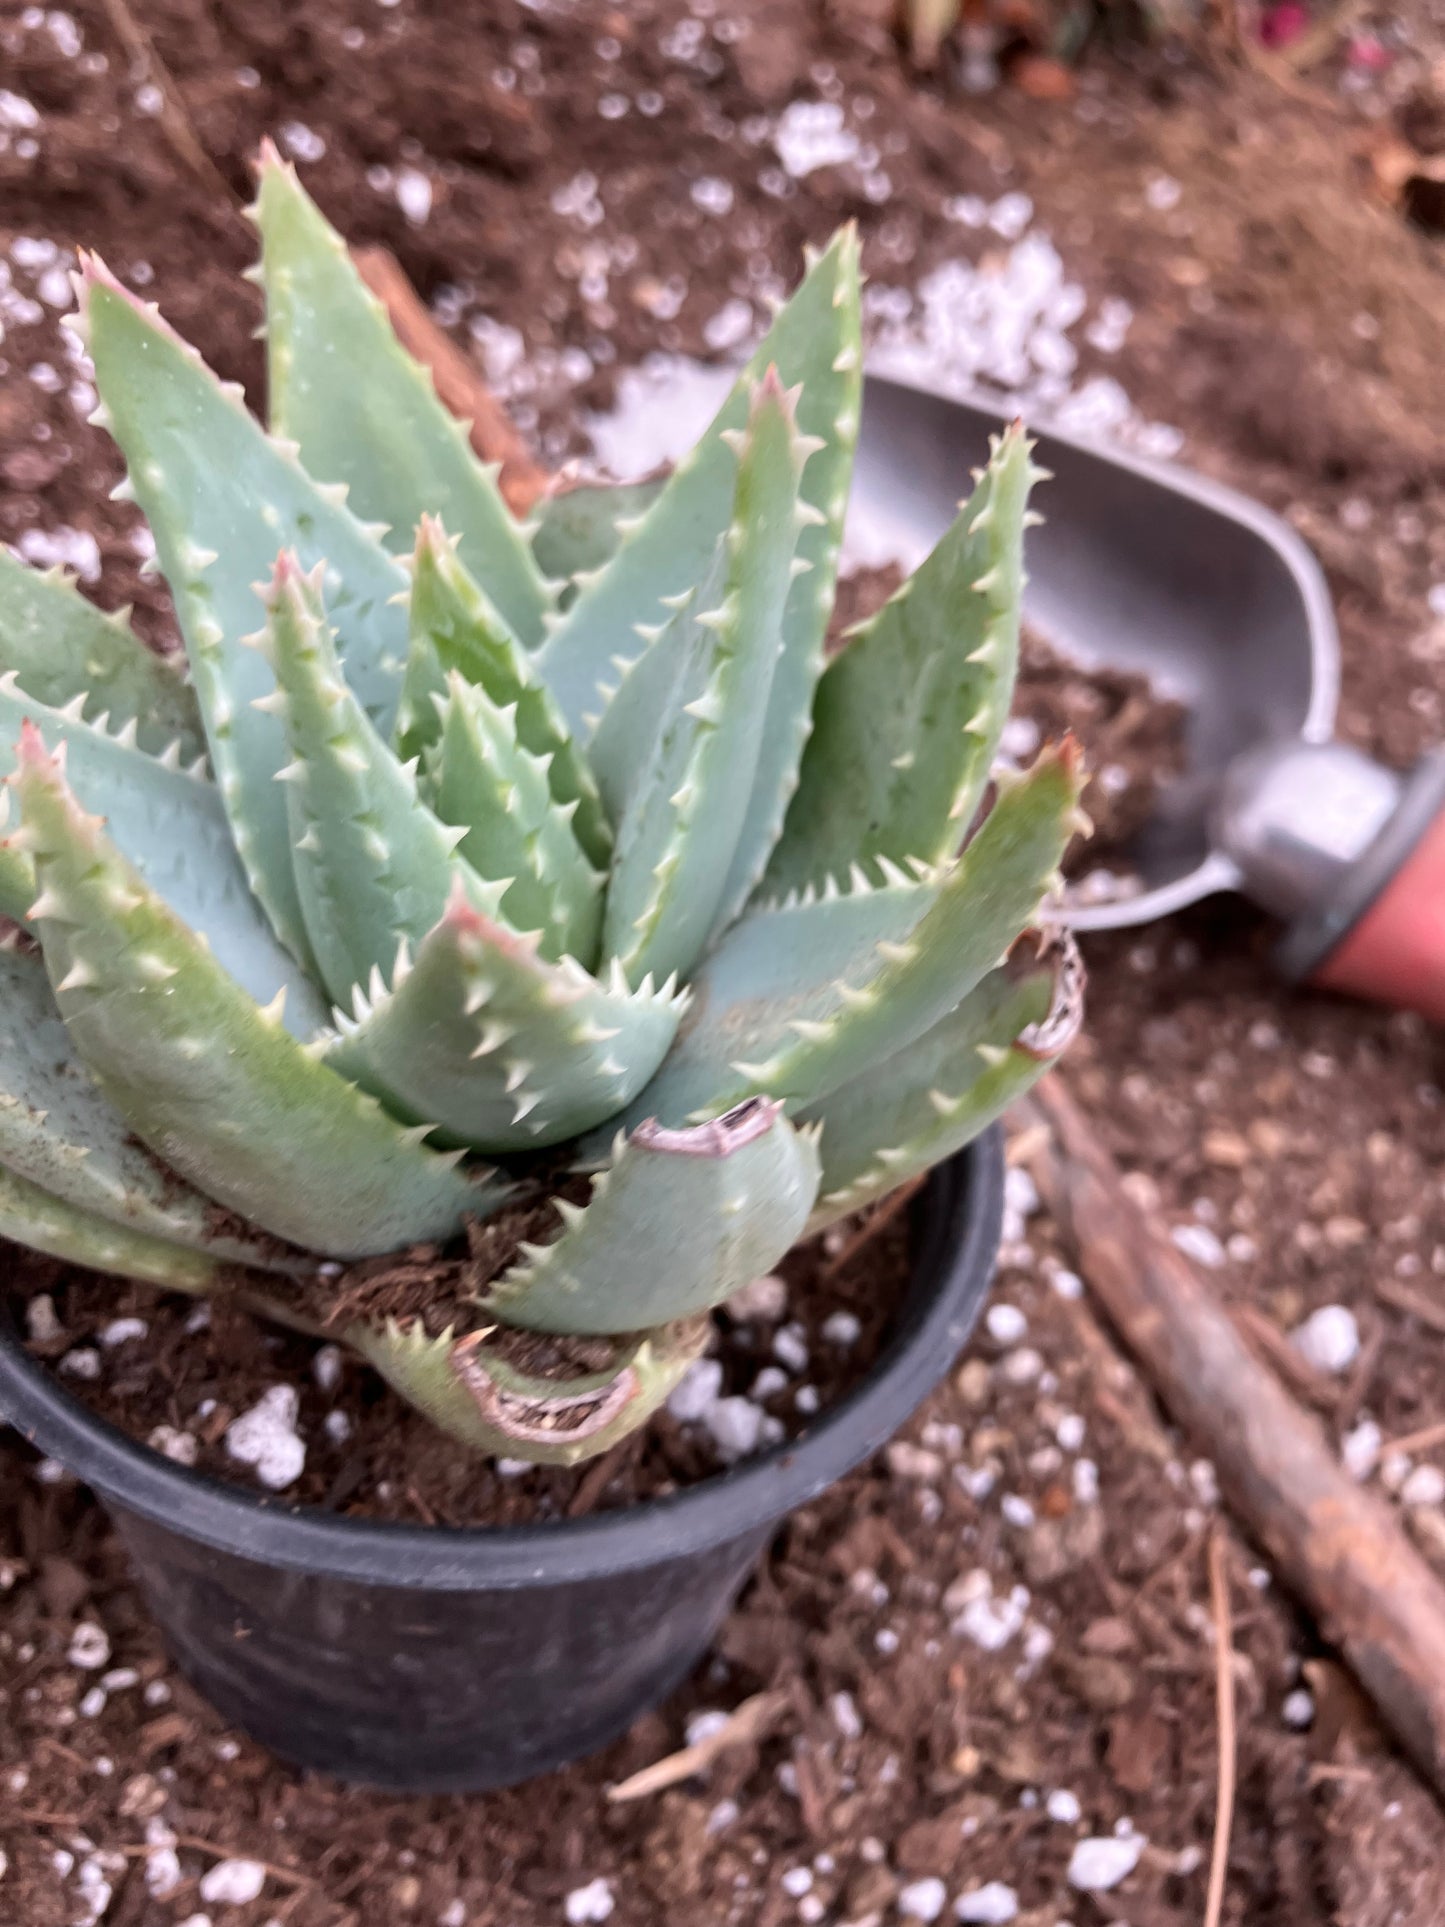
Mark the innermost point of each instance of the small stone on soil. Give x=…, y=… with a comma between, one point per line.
x=89, y=1647
x=120, y=1331
x=994, y=1904
x=1424, y=1487
x=696, y=1392
x=1298, y=1710
x=586, y=1905
x=183, y=1448
x=1329, y=1339
x=1100, y=1863
x=266, y=1438
x=232, y=1882
x=923, y=1899
x=1006, y=1323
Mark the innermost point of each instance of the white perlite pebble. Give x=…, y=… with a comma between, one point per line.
x=1425, y=1486
x=735, y=1426
x=732, y=324
x=790, y=1348
x=992, y=1620
x=181, y=1447
x=696, y=1392
x=266, y=1438
x=1298, y=1709
x=232, y=1882
x=120, y=1331
x=326, y=1368
x=413, y=194
x=846, y=1716
x=1020, y=1192
x=811, y=134
x=163, y=1872
x=1329, y=1339
x=922, y=1899
x=1062, y=1806
x=797, y=1881
x=40, y=1319
x=1360, y=1449
x=994, y=1903
x=1006, y=1324
x=1198, y=1242
x=1098, y=1864
x=593, y=1902
x=89, y=1646
x=842, y=1328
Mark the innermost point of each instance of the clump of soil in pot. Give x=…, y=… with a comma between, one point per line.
x=176, y=1373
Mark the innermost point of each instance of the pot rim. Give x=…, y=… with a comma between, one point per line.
x=961, y=1218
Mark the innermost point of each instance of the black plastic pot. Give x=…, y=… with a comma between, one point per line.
x=434, y=1660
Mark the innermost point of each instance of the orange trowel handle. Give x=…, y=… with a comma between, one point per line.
x=1383, y=937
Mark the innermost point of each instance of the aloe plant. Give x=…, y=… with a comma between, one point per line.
x=478, y=862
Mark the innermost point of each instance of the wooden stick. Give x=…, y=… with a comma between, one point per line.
x=1421, y=1441
x=750, y=1721
x=458, y=383
x=1334, y=1543
x=1228, y=1741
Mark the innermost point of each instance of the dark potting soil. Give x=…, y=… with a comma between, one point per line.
x=183, y=1372
x=1133, y=742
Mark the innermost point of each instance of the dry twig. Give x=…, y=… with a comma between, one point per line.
x=1420, y=1441
x=175, y=121
x=1228, y=1742
x=749, y=1722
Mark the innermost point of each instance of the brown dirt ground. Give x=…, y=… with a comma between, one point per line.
x=1290, y=325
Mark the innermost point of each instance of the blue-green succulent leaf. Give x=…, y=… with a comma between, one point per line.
x=678, y=1221
x=577, y=527
x=907, y=719
x=59, y=1132
x=800, y=997
x=502, y=1049
x=215, y=1086
x=62, y=647
x=454, y=627
x=221, y=500
x=364, y=413
x=171, y=824
x=483, y=780
x=679, y=836
x=928, y=1100
x=33, y=1217
x=814, y=340
x=374, y=866
x=477, y=1394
